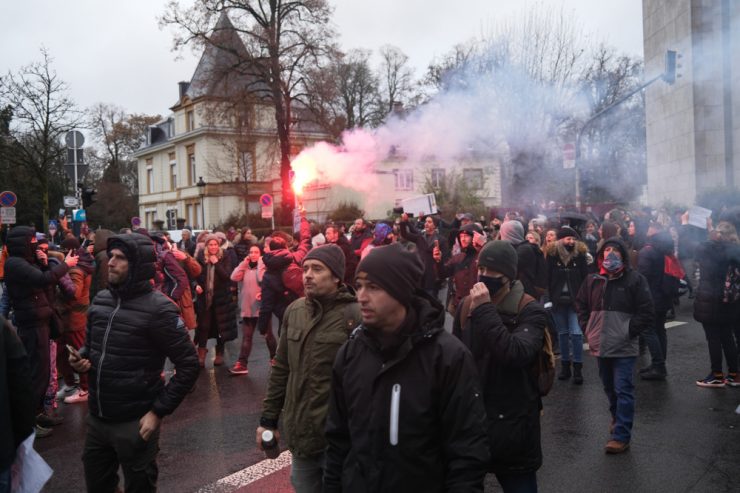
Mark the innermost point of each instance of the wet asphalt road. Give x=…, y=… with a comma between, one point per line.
x=685, y=439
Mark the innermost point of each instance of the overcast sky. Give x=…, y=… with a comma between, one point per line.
x=113, y=51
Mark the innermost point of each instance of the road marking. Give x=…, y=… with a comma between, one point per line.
x=249, y=475
x=675, y=323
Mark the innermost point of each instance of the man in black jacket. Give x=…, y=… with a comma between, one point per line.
x=504, y=329
x=429, y=244
x=131, y=330
x=405, y=412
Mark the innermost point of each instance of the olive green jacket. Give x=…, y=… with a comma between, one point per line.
x=299, y=383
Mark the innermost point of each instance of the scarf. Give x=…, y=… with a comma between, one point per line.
x=564, y=254
x=210, y=278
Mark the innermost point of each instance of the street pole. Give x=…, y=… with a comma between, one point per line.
x=74, y=162
x=203, y=211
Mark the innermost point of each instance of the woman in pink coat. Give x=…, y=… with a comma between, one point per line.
x=249, y=276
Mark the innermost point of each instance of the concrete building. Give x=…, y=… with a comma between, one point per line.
x=693, y=125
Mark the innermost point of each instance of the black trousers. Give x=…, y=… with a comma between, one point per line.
x=108, y=445
x=35, y=340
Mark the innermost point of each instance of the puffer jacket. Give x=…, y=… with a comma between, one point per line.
x=564, y=281
x=440, y=443
x=714, y=258
x=312, y=333
x=651, y=264
x=505, y=344
x=27, y=282
x=131, y=330
x=615, y=311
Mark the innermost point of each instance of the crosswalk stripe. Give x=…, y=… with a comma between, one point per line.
x=249, y=475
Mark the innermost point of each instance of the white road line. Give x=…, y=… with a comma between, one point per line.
x=249, y=475
x=675, y=323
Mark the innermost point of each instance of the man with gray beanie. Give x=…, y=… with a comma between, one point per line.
x=406, y=412
x=504, y=329
x=314, y=328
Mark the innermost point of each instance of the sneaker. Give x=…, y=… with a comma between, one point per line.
x=653, y=374
x=616, y=447
x=238, y=369
x=65, y=391
x=49, y=420
x=732, y=380
x=42, y=432
x=712, y=380
x=79, y=396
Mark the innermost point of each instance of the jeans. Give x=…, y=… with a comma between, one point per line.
x=720, y=339
x=248, y=325
x=569, y=332
x=109, y=444
x=616, y=376
x=657, y=341
x=518, y=483
x=306, y=473
x=689, y=267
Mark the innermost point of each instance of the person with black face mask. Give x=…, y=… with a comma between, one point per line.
x=567, y=267
x=503, y=327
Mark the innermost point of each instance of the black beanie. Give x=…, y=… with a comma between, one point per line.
x=393, y=268
x=500, y=256
x=71, y=243
x=567, y=231
x=330, y=255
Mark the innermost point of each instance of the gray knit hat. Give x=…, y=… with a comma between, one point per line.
x=500, y=256
x=330, y=255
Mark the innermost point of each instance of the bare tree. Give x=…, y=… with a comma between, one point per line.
x=42, y=113
x=396, y=76
x=283, y=40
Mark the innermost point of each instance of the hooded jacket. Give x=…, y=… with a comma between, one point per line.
x=424, y=248
x=714, y=258
x=615, y=311
x=298, y=388
x=651, y=264
x=131, y=330
x=463, y=268
x=564, y=281
x=406, y=419
x=505, y=344
x=27, y=282
x=75, y=307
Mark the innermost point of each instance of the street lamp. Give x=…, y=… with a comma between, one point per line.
x=202, y=192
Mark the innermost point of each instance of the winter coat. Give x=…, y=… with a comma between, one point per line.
x=100, y=278
x=615, y=311
x=170, y=278
x=564, y=281
x=359, y=240
x=651, y=264
x=187, y=246
x=222, y=301
x=27, y=282
x=689, y=239
x=424, y=248
x=531, y=269
x=249, y=280
x=350, y=260
x=463, y=269
x=75, y=307
x=440, y=443
x=131, y=330
x=298, y=387
x=187, y=307
x=714, y=258
x=505, y=344
x=16, y=399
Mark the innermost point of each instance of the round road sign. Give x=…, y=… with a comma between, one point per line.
x=74, y=139
x=266, y=200
x=136, y=222
x=8, y=199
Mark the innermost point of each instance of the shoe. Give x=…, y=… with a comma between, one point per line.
x=732, y=380
x=577, y=375
x=645, y=370
x=564, y=370
x=79, y=396
x=219, y=359
x=239, y=369
x=49, y=420
x=653, y=374
x=202, y=352
x=42, y=432
x=616, y=447
x=65, y=391
x=712, y=380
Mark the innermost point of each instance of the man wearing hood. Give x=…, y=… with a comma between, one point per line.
x=429, y=243
x=406, y=412
x=462, y=267
x=131, y=330
x=615, y=307
x=531, y=270
x=29, y=279
x=314, y=327
x=651, y=264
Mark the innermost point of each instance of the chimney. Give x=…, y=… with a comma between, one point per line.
x=183, y=88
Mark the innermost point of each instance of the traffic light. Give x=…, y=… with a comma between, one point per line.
x=669, y=74
x=87, y=197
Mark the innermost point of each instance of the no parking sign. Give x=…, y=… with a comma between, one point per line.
x=267, y=206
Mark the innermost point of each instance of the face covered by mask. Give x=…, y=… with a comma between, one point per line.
x=612, y=263
x=570, y=248
x=493, y=284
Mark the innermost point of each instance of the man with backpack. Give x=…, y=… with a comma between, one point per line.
x=282, y=282
x=504, y=328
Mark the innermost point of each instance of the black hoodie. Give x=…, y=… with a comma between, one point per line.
x=651, y=264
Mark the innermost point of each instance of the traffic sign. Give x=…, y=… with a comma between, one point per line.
x=267, y=206
x=136, y=222
x=70, y=201
x=7, y=215
x=266, y=199
x=79, y=215
x=74, y=139
x=8, y=199
x=569, y=156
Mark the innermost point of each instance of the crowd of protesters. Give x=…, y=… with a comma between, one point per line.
x=372, y=391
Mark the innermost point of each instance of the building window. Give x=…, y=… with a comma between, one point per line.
x=191, y=165
x=149, y=217
x=149, y=176
x=198, y=215
x=173, y=171
x=171, y=216
x=473, y=178
x=190, y=120
x=404, y=179
x=170, y=128
x=438, y=177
